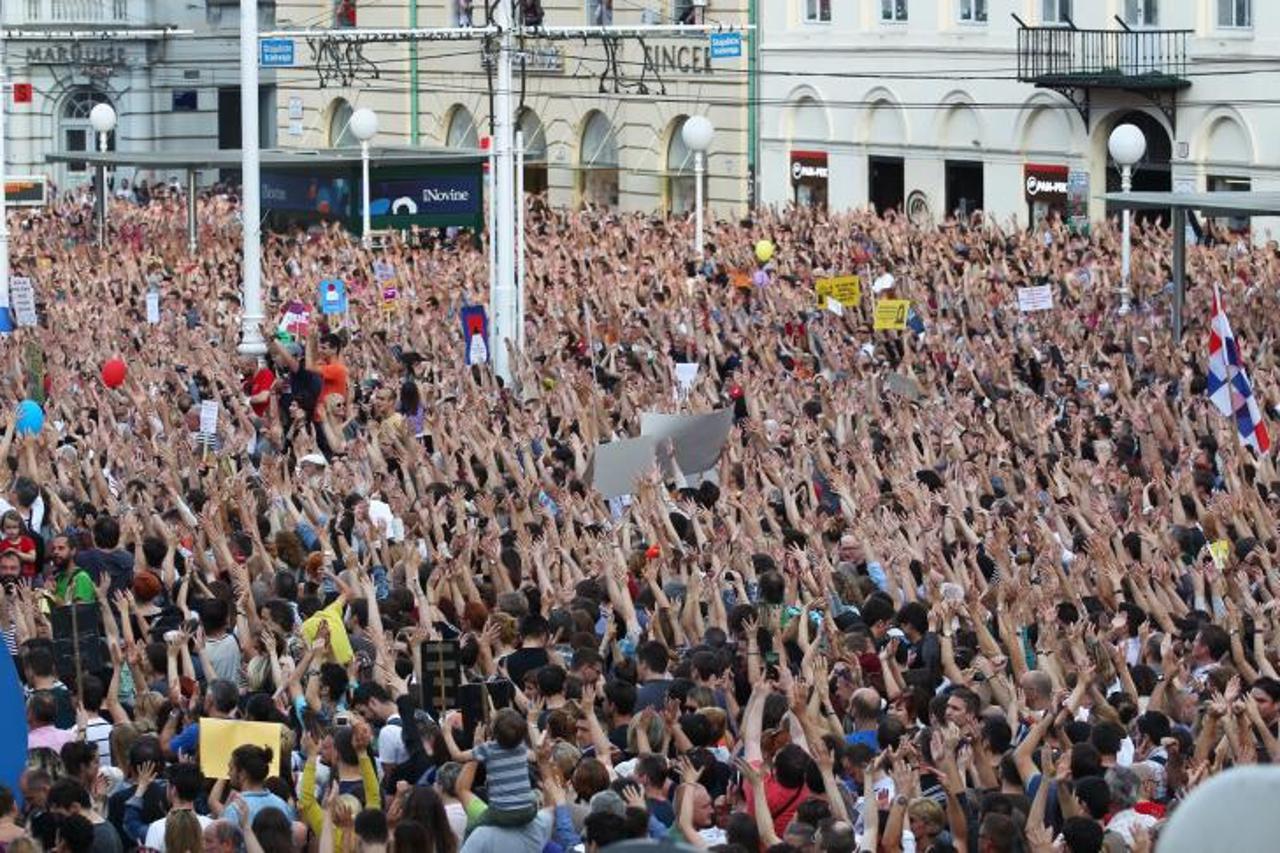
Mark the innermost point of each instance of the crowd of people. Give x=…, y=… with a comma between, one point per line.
x=995, y=582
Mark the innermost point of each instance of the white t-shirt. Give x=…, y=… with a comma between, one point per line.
x=155, y=832
x=391, y=743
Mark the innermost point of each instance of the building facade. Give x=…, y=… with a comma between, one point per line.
x=601, y=121
x=169, y=93
x=938, y=107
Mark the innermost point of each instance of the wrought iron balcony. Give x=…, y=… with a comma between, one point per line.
x=1074, y=61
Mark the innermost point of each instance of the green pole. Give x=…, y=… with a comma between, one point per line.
x=753, y=136
x=413, y=77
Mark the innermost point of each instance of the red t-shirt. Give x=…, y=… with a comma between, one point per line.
x=261, y=381
x=21, y=544
x=782, y=801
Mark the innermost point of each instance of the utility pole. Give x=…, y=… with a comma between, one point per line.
x=251, y=313
x=4, y=181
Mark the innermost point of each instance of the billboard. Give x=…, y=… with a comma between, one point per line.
x=440, y=196
x=26, y=190
x=324, y=196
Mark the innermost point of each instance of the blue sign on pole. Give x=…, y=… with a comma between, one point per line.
x=276, y=53
x=333, y=296
x=726, y=45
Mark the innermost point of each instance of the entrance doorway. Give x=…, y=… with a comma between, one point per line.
x=1152, y=173
x=885, y=183
x=964, y=188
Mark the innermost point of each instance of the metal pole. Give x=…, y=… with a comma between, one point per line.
x=493, y=244
x=1179, y=269
x=4, y=178
x=1126, y=184
x=414, y=129
x=519, y=239
x=505, y=311
x=365, y=226
x=193, y=228
x=698, y=167
x=102, y=193
x=251, y=317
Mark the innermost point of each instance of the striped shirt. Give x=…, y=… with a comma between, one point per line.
x=508, y=773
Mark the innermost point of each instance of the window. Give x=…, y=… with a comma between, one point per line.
x=1235, y=13
x=1056, y=11
x=462, y=15
x=77, y=132
x=599, y=13
x=462, y=132
x=688, y=11
x=186, y=100
x=893, y=10
x=682, y=182
x=973, y=11
x=344, y=13
x=598, y=163
x=1141, y=13
x=817, y=11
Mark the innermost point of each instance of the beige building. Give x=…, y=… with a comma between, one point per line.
x=601, y=121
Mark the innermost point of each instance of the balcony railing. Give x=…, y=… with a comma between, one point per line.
x=70, y=12
x=1050, y=56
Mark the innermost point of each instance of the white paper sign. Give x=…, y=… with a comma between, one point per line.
x=478, y=352
x=22, y=298
x=383, y=271
x=295, y=107
x=153, y=307
x=209, y=417
x=686, y=374
x=1035, y=298
x=834, y=306
x=295, y=127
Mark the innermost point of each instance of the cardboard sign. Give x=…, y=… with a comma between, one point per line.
x=296, y=320
x=1038, y=298
x=475, y=334
x=22, y=299
x=389, y=297
x=616, y=465
x=383, y=271
x=153, y=307
x=846, y=289
x=698, y=439
x=220, y=738
x=905, y=386
x=686, y=374
x=333, y=296
x=209, y=417
x=1219, y=551
x=835, y=306
x=891, y=314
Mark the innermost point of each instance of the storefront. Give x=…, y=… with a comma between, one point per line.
x=809, y=175
x=1046, y=191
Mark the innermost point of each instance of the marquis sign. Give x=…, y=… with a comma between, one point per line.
x=678, y=59
x=112, y=55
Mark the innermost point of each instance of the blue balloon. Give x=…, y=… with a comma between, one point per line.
x=30, y=417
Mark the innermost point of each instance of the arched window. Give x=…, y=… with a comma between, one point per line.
x=340, y=135
x=535, y=152
x=598, y=162
x=76, y=132
x=462, y=131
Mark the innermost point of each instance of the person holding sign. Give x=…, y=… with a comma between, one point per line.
x=250, y=766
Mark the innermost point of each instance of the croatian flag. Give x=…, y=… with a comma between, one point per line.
x=1229, y=387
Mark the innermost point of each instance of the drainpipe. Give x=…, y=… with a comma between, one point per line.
x=753, y=100
x=413, y=76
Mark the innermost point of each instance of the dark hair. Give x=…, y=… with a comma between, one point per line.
x=741, y=829
x=653, y=655
x=38, y=660
x=970, y=699
x=998, y=735
x=1085, y=761
x=253, y=761
x=43, y=708
x=369, y=691
x=410, y=835
x=790, y=766
x=1216, y=640
x=603, y=829
x=67, y=792
x=92, y=691
x=550, y=679
x=509, y=728
x=106, y=532
x=1082, y=835
x=76, y=756
x=273, y=828
x=1267, y=685
x=916, y=615
x=76, y=832
x=371, y=826
x=1095, y=794
x=186, y=780
x=333, y=677
x=622, y=695
x=877, y=608
x=225, y=695
x=7, y=802
x=214, y=613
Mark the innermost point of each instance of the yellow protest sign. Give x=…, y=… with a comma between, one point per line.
x=892, y=314
x=845, y=289
x=220, y=738
x=1219, y=551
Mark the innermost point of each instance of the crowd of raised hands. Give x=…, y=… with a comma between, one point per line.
x=998, y=581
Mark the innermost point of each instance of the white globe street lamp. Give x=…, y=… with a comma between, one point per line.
x=1127, y=145
x=103, y=119
x=364, y=126
x=696, y=134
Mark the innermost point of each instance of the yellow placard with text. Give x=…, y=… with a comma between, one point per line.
x=891, y=314
x=845, y=289
x=220, y=738
x=1219, y=551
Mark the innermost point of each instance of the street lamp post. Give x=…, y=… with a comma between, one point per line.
x=697, y=133
x=364, y=126
x=103, y=119
x=1127, y=144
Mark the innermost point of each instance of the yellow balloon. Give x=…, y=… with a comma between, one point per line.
x=764, y=251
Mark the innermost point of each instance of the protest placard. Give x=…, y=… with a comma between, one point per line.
x=891, y=314
x=22, y=298
x=333, y=296
x=220, y=738
x=845, y=289
x=209, y=418
x=835, y=306
x=1039, y=298
x=698, y=439
x=153, y=307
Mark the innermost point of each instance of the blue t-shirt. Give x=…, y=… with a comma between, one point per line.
x=869, y=737
x=257, y=801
